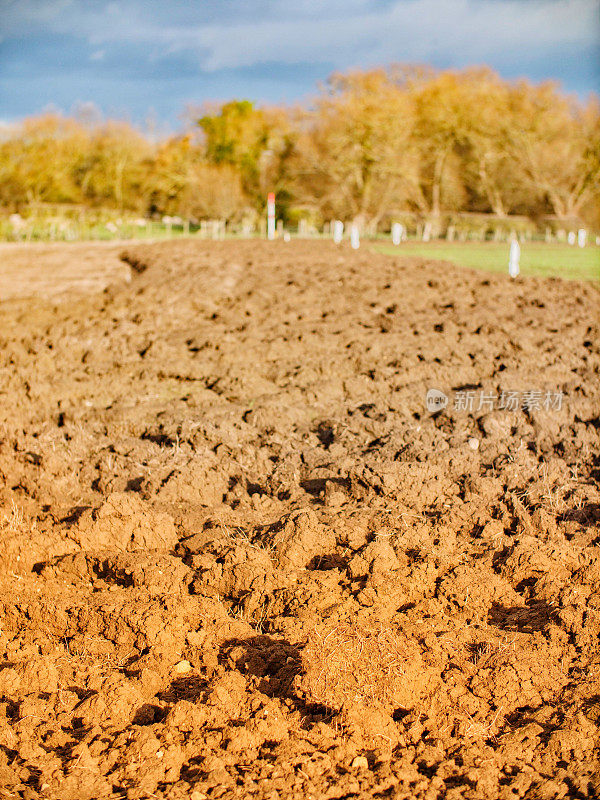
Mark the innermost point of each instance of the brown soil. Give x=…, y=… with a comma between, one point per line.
x=87, y=268
x=242, y=560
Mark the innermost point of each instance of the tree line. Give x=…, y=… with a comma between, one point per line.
x=373, y=146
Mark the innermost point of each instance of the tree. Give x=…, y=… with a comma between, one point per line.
x=36, y=163
x=110, y=171
x=237, y=134
x=213, y=192
x=354, y=157
x=556, y=143
x=181, y=181
x=488, y=168
x=441, y=134
x=167, y=174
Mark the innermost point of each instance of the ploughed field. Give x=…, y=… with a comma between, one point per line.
x=242, y=559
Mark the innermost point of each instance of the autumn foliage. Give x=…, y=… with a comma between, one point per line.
x=372, y=146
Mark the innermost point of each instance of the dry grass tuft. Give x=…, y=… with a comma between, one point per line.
x=14, y=519
x=348, y=665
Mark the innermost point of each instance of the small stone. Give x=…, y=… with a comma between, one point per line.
x=474, y=443
x=183, y=666
x=360, y=762
x=334, y=499
x=198, y=796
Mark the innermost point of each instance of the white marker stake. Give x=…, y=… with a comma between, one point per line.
x=513, y=259
x=270, y=216
x=571, y=237
x=581, y=237
x=397, y=231
x=338, y=231
x=427, y=231
x=354, y=237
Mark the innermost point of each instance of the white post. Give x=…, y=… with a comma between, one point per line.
x=427, y=231
x=581, y=237
x=571, y=237
x=513, y=259
x=397, y=231
x=271, y=216
x=338, y=231
x=354, y=237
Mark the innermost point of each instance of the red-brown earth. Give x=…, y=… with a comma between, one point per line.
x=241, y=558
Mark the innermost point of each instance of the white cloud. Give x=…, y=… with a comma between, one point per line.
x=17, y=15
x=340, y=32
x=419, y=30
x=359, y=32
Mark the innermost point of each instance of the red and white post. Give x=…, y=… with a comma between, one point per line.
x=271, y=215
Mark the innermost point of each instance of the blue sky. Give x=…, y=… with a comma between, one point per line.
x=136, y=58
